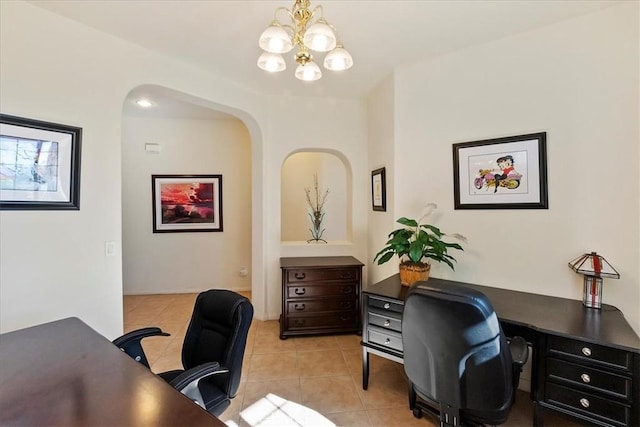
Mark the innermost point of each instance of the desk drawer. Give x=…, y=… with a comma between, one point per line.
x=321, y=275
x=384, y=305
x=594, y=353
x=588, y=404
x=384, y=338
x=322, y=290
x=389, y=320
x=589, y=378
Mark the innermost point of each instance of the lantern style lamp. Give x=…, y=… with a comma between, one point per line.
x=594, y=267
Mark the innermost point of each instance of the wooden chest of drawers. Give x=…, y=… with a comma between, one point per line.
x=596, y=383
x=320, y=295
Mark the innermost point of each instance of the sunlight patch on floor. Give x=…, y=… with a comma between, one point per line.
x=273, y=410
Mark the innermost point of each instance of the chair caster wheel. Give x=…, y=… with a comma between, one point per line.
x=417, y=413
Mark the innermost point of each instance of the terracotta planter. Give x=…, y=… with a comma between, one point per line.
x=411, y=273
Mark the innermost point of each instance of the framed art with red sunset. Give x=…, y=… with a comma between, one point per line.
x=186, y=203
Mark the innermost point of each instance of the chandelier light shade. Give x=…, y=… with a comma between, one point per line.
x=308, y=30
x=594, y=267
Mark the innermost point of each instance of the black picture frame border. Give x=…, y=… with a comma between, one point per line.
x=74, y=174
x=156, y=204
x=382, y=173
x=543, y=203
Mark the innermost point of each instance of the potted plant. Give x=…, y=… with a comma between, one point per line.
x=415, y=245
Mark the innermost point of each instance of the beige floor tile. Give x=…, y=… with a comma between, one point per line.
x=399, y=416
x=269, y=327
x=268, y=343
x=350, y=419
x=377, y=364
x=286, y=389
x=273, y=366
x=321, y=363
x=314, y=343
x=330, y=394
x=386, y=389
x=349, y=342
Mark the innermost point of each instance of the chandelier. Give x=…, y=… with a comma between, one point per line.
x=320, y=36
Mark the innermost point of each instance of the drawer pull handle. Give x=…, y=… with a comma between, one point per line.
x=387, y=323
x=387, y=341
x=345, y=275
x=387, y=305
x=300, y=291
x=345, y=318
x=300, y=276
x=299, y=307
x=346, y=304
x=585, y=378
x=300, y=322
x=584, y=402
x=586, y=351
x=346, y=290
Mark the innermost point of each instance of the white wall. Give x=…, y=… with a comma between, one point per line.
x=576, y=80
x=52, y=264
x=381, y=114
x=297, y=175
x=185, y=262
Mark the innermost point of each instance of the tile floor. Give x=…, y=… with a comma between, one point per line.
x=298, y=381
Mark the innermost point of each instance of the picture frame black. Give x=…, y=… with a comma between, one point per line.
x=186, y=203
x=40, y=164
x=379, y=190
x=517, y=164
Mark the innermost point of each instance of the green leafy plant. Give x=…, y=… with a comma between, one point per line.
x=418, y=243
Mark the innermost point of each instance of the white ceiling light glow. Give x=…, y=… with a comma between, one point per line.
x=320, y=36
x=144, y=103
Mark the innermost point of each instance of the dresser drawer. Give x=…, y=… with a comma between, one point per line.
x=588, y=404
x=313, y=306
x=388, y=320
x=589, y=352
x=589, y=378
x=347, y=321
x=384, y=338
x=323, y=275
x=321, y=290
x=385, y=305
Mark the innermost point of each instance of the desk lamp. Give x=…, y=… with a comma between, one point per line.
x=594, y=267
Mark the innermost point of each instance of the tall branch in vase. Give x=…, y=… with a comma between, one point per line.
x=316, y=203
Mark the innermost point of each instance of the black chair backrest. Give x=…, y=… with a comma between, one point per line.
x=218, y=333
x=455, y=352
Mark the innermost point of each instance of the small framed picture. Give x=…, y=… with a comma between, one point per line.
x=501, y=173
x=378, y=190
x=39, y=165
x=186, y=203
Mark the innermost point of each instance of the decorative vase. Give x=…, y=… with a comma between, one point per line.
x=411, y=272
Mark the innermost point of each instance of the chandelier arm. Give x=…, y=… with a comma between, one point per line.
x=282, y=8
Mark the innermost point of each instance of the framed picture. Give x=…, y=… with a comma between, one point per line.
x=39, y=165
x=186, y=203
x=378, y=190
x=501, y=173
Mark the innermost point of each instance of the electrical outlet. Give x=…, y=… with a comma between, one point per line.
x=109, y=248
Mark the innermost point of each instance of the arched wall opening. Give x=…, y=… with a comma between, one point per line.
x=191, y=136
x=300, y=172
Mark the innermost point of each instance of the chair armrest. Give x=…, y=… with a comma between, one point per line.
x=187, y=382
x=131, y=343
x=519, y=351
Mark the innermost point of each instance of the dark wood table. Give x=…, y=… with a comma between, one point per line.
x=64, y=373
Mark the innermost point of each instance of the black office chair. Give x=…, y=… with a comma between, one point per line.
x=460, y=368
x=212, y=351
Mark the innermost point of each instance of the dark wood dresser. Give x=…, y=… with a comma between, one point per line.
x=320, y=295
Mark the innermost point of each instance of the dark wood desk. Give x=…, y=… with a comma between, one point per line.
x=64, y=373
x=585, y=362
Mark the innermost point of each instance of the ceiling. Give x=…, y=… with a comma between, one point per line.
x=221, y=36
